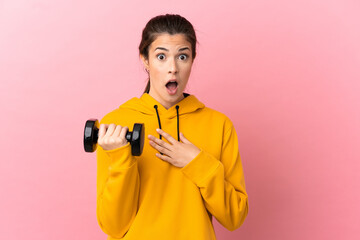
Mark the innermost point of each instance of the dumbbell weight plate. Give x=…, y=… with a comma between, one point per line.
x=137, y=139
x=91, y=133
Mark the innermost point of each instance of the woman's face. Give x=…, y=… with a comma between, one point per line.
x=169, y=67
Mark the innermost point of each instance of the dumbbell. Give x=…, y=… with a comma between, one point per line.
x=136, y=137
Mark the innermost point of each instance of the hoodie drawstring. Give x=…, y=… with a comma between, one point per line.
x=178, y=122
x=177, y=114
x=157, y=113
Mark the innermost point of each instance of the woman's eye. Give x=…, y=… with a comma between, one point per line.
x=183, y=57
x=161, y=56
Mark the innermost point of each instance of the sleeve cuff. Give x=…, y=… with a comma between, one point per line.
x=201, y=167
x=121, y=157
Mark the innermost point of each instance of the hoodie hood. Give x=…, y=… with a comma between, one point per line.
x=146, y=104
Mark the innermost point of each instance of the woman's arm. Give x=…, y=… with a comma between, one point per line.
x=117, y=190
x=221, y=182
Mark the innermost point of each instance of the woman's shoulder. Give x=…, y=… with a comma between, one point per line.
x=217, y=115
x=110, y=116
x=118, y=113
x=210, y=113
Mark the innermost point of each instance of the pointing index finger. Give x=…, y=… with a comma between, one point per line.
x=167, y=136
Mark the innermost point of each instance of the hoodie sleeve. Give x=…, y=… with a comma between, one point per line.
x=221, y=182
x=117, y=190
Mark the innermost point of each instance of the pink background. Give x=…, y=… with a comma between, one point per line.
x=286, y=73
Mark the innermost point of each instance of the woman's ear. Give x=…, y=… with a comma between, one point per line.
x=145, y=62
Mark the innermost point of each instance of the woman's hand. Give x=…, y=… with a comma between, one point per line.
x=177, y=153
x=112, y=136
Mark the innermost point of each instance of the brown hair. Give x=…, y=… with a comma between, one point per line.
x=171, y=24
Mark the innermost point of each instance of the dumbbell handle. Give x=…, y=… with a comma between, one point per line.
x=96, y=137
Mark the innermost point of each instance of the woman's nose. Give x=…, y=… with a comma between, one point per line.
x=173, y=66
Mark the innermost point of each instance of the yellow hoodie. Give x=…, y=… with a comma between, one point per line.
x=144, y=197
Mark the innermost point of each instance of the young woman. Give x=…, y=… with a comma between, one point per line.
x=190, y=168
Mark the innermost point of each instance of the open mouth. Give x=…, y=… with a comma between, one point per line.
x=172, y=87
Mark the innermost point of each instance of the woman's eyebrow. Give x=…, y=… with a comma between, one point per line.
x=185, y=48
x=181, y=49
x=161, y=48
